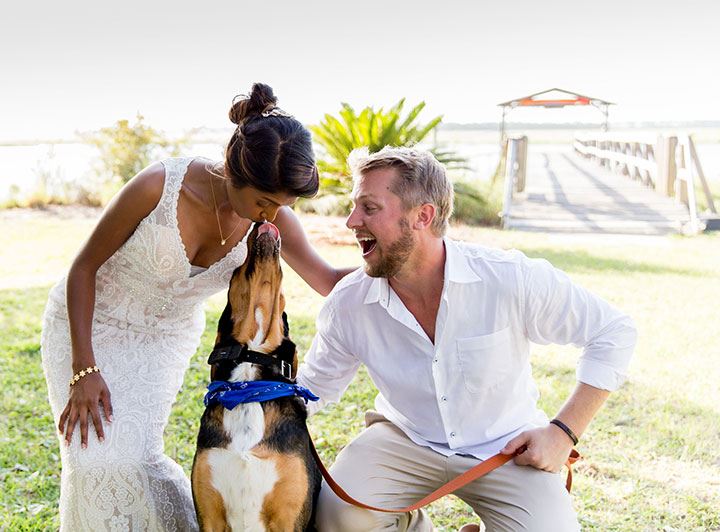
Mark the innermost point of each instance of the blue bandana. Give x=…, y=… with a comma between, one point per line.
x=231, y=394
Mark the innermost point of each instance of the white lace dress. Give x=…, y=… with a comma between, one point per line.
x=147, y=324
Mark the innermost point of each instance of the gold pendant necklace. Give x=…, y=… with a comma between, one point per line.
x=217, y=217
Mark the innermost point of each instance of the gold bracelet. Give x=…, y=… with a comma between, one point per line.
x=81, y=374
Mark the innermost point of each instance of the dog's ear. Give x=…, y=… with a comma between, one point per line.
x=286, y=326
x=288, y=352
x=295, y=365
x=225, y=325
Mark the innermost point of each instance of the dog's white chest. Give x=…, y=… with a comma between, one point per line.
x=244, y=480
x=245, y=424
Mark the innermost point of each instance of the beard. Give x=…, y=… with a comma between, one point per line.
x=390, y=261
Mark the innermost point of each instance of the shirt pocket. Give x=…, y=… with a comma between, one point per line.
x=485, y=361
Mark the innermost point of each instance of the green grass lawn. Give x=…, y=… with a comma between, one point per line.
x=651, y=456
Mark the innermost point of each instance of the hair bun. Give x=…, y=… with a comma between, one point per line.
x=245, y=107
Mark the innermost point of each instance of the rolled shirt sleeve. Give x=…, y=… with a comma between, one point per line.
x=558, y=311
x=328, y=367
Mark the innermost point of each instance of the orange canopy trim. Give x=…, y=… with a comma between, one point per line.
x=529, y=102
x=554, y=98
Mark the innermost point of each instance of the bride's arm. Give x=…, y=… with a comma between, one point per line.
x=119, y=220
x=302, y=257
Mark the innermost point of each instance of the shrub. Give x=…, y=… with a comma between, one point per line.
x=53, y=187
x=477, y=204
x=127, y=148
x=326, y=205
x=338, y=136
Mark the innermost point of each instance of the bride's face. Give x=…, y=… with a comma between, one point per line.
x=257, y=205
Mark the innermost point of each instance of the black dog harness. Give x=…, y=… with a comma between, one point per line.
x=281, y=361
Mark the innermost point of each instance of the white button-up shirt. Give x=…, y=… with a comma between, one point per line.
x=472, y=390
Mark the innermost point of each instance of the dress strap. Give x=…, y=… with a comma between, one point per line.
x=174, y=179
x=165, y=213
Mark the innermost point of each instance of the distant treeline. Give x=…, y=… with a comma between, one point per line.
x=451, y=126
x=220, y=135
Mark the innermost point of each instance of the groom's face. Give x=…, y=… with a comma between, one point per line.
x=381, y=223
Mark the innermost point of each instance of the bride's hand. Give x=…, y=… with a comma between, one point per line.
x=85, y=397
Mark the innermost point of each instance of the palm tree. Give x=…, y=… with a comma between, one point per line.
x=338, y=136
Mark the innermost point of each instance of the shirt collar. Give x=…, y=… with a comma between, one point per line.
x=457, y=270
x=379, y=291
x=457, y=266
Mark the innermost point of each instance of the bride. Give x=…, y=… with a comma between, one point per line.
x=119, y=330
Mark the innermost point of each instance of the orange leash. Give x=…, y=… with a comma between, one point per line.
x=483, y=468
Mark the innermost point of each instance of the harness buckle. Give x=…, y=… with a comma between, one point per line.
x=219, y=354
x=285, y=370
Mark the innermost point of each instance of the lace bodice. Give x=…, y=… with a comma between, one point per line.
x=147, y=283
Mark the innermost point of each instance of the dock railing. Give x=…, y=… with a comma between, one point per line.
x=514, y=164
x=666, y=163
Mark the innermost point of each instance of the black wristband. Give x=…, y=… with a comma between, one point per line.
x=565, y=429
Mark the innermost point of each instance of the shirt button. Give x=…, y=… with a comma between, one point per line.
x=444, y=398
x=435, y=360
x=452, y=434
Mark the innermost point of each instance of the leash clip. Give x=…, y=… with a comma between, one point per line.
x=285, y=370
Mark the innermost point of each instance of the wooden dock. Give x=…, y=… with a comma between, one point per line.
x=566, y=193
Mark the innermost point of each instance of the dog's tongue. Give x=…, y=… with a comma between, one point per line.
x=267, y=227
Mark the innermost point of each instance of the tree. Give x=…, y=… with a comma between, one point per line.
x=127, y=148
x=338, y=136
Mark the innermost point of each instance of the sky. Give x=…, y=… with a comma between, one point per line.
x=80, y=65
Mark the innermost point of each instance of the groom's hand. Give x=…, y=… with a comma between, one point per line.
x=546, y=448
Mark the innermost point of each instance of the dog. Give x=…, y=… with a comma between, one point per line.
x=253, y=468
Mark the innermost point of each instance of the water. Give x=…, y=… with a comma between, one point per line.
x=23, y=167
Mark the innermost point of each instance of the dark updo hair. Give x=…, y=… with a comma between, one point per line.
x=270, y=150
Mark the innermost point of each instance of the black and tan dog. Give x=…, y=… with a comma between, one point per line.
x=253, y=468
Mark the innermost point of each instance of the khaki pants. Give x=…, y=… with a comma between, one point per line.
x=383, y=467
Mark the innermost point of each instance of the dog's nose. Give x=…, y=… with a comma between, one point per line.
x=267, y=227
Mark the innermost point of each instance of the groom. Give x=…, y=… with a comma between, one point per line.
x=444, y=329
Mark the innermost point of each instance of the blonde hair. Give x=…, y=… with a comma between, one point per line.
x=421, y=179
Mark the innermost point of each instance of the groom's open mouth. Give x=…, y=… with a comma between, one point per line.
x=367, y=244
